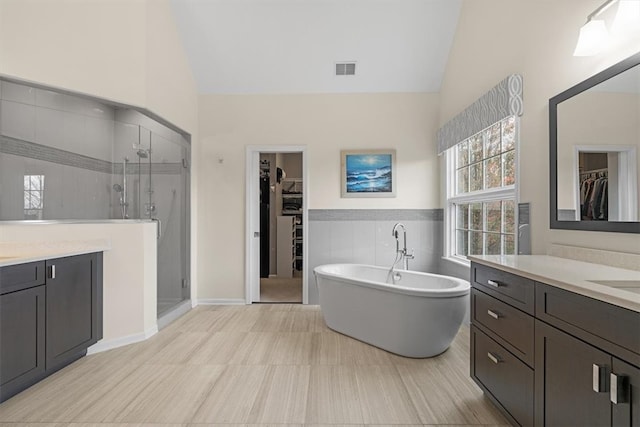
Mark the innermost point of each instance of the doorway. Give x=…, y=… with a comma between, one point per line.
x=606, y=183
x=276, y=263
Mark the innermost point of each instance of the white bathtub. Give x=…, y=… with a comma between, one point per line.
x=417, y=317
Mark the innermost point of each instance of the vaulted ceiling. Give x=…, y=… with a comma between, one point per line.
x=292, y=46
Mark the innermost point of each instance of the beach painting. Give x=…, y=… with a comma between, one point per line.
x=368, y=173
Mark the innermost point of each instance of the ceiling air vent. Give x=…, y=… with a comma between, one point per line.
x=345, y=68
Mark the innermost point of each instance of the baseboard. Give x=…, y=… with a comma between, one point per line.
x=105, y=345
x=178, y=311
x=221, y=301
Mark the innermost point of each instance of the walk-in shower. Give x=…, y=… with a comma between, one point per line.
x=131, y=165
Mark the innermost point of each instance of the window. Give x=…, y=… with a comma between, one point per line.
x=33, y=196
x=481, y=192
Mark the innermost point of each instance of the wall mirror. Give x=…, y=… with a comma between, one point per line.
x=595, y=152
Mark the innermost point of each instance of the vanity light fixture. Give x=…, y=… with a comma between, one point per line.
x=594, y=35
x=627, y=20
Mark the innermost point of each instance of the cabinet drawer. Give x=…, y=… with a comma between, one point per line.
x=514, y=290
x=21, y=276
x=609, y=327
x=511, y=325
x=504, y=376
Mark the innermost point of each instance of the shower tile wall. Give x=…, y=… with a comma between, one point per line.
x=79, y=146
x=47, y=132
x=364, y=236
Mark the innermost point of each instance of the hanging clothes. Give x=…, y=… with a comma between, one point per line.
x=594, y=203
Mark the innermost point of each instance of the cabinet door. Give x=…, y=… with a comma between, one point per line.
x=22, y=340
x=626, y=412
x=564, y=370
x=72, y=298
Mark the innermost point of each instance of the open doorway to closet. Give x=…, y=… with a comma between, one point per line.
x=281, y=235
x=276, y=223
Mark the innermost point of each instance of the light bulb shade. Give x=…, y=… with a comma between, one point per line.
x=627, y=20
x=593, y=37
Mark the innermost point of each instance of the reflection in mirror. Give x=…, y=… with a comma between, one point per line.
x=598, y=149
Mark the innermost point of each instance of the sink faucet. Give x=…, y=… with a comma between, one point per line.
x=401, y=254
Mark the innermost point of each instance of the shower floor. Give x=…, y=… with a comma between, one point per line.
x=165, y=305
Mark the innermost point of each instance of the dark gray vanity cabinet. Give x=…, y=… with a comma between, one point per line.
x=550, y=357
x=22, y=327
x=73, y=309
x=502, y=341
x=585, y=355
x=50, y=313
x=582, y=385
x=565, y=384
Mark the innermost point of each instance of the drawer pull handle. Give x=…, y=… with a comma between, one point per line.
x=53, y=272
x=494, y=358
x=619, y=389
x=494, y=283
x=494, y=314
x=599, y=378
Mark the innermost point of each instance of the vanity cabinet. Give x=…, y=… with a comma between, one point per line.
x=502, y=340
x=50, y=313
x=549, y=357
x=22, y=327
x=579, y=384
x=73, y=309
x=586, y=350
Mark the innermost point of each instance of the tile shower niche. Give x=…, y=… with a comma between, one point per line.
x=65, y=156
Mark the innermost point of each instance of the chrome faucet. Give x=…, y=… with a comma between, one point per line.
x=401, y=254
x=405, y=255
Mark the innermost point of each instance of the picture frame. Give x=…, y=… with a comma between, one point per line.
x=368, y=173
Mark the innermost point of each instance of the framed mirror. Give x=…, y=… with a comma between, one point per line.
x=594, y=152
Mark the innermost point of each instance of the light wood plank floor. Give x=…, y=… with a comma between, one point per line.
x=255, y=365
x=274, y=289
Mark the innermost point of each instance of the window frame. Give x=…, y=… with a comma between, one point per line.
x=480, y=196
x=30, y=211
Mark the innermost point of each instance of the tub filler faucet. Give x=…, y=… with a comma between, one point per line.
x=401, y=254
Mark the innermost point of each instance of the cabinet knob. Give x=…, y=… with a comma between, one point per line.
x=494, y=283
x=619, y=392
x=599, y=378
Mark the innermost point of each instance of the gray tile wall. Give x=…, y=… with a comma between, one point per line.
x=363, y=236
x=79, y=146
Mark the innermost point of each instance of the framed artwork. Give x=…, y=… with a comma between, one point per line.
x=368, y=173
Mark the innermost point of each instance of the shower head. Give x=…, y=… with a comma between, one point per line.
x=117, y=188
x=143, y=154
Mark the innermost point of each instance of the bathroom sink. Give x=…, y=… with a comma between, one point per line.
x=618, y=283
x=625, y=285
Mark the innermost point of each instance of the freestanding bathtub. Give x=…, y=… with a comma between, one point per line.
x=417, y=317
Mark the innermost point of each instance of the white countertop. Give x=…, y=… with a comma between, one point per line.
x=12, y=253
x=609, y=284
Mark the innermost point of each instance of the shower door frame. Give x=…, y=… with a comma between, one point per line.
x=252, y=241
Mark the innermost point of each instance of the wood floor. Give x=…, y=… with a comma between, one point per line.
x=259, y=364
x=274, y=289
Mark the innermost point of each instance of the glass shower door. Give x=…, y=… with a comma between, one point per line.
x=167, y=203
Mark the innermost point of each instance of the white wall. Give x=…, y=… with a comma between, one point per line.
x=122, y=50
x=325, y=124
x=589, y=119
x=96, y=47
x=536, y=39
